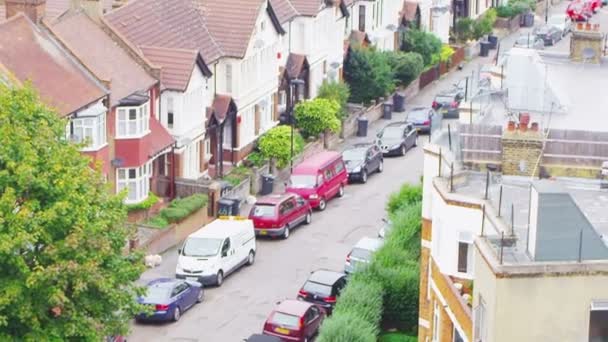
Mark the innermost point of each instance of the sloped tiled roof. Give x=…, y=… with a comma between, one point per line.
x=32, y=55
x=176, y=65
x=166, y=23
x=2, y=12
x=99, y=52
x=308, y=7
x=284, y=10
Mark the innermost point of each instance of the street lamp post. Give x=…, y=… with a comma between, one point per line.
x=292, y=120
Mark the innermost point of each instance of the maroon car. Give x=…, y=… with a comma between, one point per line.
x=277, y=215
x=294, y=320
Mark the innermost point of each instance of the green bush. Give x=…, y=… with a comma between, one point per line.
x=145, y=205
x=505, y=11
x=424, y=43
x=446, y=53
x=337, y=91
x=256, y=159
x=317, y=116
x=347, y=327
x=397, y=337
x=276, y=144
x=484, y=24
x=406, y=66
x=157, y=222
x=177, y=210
x=464, y=29
x=408, y=194
x=368, y=74
x=363, y=299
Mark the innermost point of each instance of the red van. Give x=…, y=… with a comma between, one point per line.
x=319, y=178
x=277, y=215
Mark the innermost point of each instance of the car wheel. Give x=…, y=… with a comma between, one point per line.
x=341, y=191
x=219, y=278
x=251, y=258
x=402, y=151
x=286, y=233
x=363, y=176
x=201, y=296
x=322, y=204
x=381, y=166
x=177, y=314
x=308, y=219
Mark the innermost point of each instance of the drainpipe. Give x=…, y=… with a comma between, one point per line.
x=172, y=186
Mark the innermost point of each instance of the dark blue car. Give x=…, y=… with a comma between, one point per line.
x=169, y=298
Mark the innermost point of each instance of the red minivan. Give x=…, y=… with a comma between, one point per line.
x=319, y=178
x=277, y=215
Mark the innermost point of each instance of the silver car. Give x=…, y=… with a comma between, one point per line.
x=361, y=254
x=529, y=41
x=549, y=34
x=385, y=229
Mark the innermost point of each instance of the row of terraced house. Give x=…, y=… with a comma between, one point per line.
x=166, y=89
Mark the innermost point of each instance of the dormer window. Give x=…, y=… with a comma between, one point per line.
x=133, y=122
x=89, y=127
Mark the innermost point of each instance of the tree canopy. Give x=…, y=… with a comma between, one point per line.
x=317, y=116
x=65, y=275
x=275, y=144
x=368, y=74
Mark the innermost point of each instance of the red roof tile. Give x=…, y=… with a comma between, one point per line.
x=176, y=65
x=2, y=13
x=103, y=55
x=284, y=10
x=166, y=23
x=136, y=152
x=308, y=7
x=31, y=54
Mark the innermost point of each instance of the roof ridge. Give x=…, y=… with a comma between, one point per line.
x=198, y=5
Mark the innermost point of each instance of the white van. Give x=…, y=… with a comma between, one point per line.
x=216, y=250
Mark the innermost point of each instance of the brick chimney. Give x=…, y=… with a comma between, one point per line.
x=34, y=9
x=586, y=43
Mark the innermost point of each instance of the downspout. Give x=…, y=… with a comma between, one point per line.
x=172, y=187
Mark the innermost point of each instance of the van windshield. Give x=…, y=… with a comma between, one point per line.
x=303, y=181
x=201, y=247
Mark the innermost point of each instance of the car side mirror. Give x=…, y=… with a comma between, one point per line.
x=179, y=251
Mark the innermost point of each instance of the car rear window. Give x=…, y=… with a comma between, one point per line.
x=418, y=115
x=158, y=294
x=317, y=288
x=264, y=210
x=444, y=98
x=361, y=253
x=285, y=320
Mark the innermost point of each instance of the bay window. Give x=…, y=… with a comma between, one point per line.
x=88, y=127
x=136, y=181
x=133, y=122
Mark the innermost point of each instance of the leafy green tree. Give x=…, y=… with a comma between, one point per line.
x=275, y=144
x=424, y=43
x=368, y=74
x=317, y=116
x=337, y=91
x=65, y=276
x=406, y=66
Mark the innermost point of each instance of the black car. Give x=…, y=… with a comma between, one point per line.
x=361, y=160
x=396, y=138
x=549, y=34
x=448, y=103
x=322, y=288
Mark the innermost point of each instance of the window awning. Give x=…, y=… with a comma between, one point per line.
x=94, y=110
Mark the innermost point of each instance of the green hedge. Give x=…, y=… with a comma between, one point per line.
x=362, y=299
x=145, y=204
x=177, y=210
x=407, y=195
x=347, y=327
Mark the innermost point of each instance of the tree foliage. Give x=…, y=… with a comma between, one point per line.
x=317, y=116
x=62, y=234
x=337, y=91
x=406, y=66
x=424, y=43
x=275, y=144
x=368, y=74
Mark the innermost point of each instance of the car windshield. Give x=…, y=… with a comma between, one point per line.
x=360, y=253
x=313, y=287
x=201, y=247
x=392, y=132
x=303, y=181
x=157, y=294
x=263, y=210
x=285, y=320
x=354, y=154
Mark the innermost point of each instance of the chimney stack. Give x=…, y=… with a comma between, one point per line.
x=586, y=43
x=34, y=9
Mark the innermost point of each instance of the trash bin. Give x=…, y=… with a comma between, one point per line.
x=228, y=206
x=399, y=102
x=493, y=40
x=362, y=123
x=484, y=49
x=387, y=110
x=267, y=184
x=528, y=20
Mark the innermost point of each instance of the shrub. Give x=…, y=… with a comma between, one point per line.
x=145, y=204
x=424, y=43
x=317, y=116
x=408, y=194
x=362, y=299
x=347, y=327
x=256, y=158
x=464, y=29
x=505, y=11
x=368, y=74
x=337, y=91
x=177, y=210
x=406, y=66
x=276, y=144
x=484, y=25
x=157, y=222
x=446, y=53
x=397, y=337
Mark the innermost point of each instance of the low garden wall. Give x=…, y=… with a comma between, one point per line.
x=510, y=24
x=241, y=190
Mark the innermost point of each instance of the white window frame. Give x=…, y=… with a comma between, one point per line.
x=93, y=130
x=208, y=154
x=141, y=123
x=465, y=238
x=228, y=134
x=140, y=182
x=436, y=320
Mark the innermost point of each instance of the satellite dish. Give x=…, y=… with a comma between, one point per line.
x=588, y=53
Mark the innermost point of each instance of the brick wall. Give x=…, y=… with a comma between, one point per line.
x=521, y=152
x=424, y=305
x=584, y=38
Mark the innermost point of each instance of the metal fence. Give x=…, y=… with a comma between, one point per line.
x=481, y=143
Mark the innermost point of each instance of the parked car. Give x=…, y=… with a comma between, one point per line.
x=549, y=34
x=277, y=215
x=362, y=160
x=263, y=338
x=361, y=254
x=216, y=250
x=447, y=104
x=322, y=288
x=594, y=5
x=319, y=179
x=562, y=22
x=579, y=10
x=169, y=298
x=529, y=41
x=396, y=138
x=421, y=118
x=387, y=225
x=294, y=320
